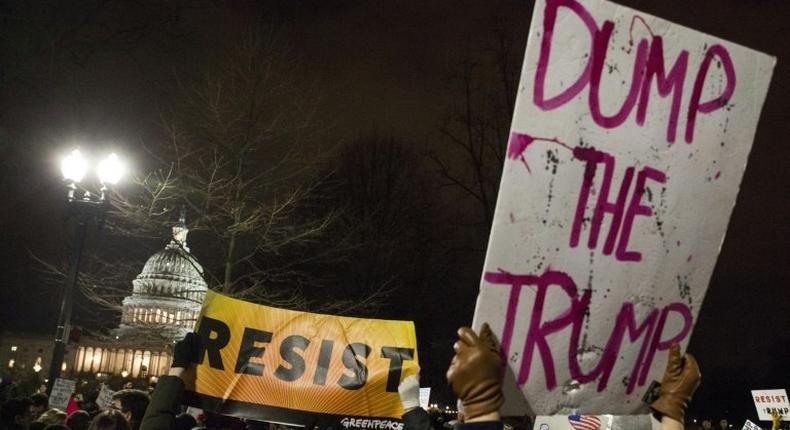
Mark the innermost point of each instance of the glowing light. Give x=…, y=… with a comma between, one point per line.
x=111, y=170
x=74, y=166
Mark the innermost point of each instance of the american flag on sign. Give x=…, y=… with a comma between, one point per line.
x=584, y=422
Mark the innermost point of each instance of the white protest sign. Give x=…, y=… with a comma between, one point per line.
x=62, y=390
x=596, y=422
x=425, y=396
x=629, y=139
x=748, y=425
x=195, y=412
x=770, y=401
x=104, y=400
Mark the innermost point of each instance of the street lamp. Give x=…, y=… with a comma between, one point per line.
x=86, y=208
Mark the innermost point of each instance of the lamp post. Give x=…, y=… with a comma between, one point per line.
x=86, y=207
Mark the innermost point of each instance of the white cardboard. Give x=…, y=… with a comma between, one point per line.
x=104, y=400
x=748, y=425
x=677, y=224
x=425, y=396
x=608, y=422
x=767, y=401
x=62, y=390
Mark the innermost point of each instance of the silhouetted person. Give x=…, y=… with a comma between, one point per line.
x=15, y=414
x=132, y=404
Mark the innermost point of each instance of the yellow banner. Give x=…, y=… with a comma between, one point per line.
x=286, y=361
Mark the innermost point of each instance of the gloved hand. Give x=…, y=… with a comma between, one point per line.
x=475, y=373
x=185, y=351
x=409, y=391
x=681, y=379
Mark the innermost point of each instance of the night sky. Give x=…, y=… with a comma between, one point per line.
x=101, y=71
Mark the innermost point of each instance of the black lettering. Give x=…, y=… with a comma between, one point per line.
x=360, y=376
x=288, y=354
x=248, y=350
x=210, y=345
x=396, y=357
x=324, y=359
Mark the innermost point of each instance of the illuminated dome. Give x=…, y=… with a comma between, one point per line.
x=167, y=295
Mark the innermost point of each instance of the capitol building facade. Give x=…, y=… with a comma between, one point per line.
x=164, y=305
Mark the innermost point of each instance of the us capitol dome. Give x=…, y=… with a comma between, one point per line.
x=165, y=303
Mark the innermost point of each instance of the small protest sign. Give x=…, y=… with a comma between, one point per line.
x=748, y=425
x=194, y=412
x=104, y=400
x=425, y=397
x=768, y=402
x=629, y=140
x=62, y=390
x=301, y=368
x=596, y=422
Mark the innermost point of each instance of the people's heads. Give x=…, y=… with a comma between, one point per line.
x=78, y=420
x=53, y=417
x=723, y=424
x=15, y=413
x=39, y=403
x=110, y=420
x=132, y=404
x=707, y=425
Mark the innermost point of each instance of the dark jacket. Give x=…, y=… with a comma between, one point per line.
x=417, y=419
x=482, y=425
x=164, y=405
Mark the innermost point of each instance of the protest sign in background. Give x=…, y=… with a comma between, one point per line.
x=104, y=400
x=301, y=368
x=769, y=401
x=597, y=422
x=62, y=390
x=748, y=425
x=629, y=140
x=425, y=397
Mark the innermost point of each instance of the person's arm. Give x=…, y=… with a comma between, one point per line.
x=414, y=417
x=681, y=378
x=475, y=375
x=167, y=396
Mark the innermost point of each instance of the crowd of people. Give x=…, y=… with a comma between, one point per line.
x=475, y=375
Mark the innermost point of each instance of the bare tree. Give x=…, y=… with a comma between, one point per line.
x=240, y=151
x=392, y=218
x=477, y=128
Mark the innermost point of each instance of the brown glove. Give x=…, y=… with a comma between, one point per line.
x=475, y=374
x=681, y=379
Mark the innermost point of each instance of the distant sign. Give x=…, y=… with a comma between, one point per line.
x=769, y=401
x=425, y=397
x=629, y=140
x=748, y=425
x=596, y=422
x=62, y=390
x=105, y=397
